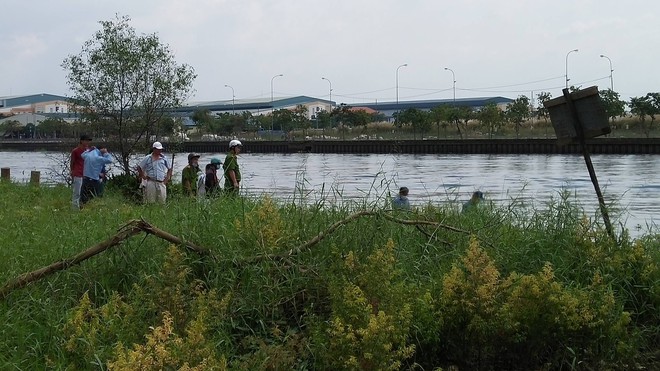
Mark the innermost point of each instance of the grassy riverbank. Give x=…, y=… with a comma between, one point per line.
x=381, y=290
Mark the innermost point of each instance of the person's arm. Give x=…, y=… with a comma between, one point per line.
x=107, y=158
x=185, y=181
x=231, y=173
x=140, y=168
x=232, y=177
x=168, y=176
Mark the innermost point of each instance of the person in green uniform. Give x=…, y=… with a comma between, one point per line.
x=231, y=169
x=190, y=174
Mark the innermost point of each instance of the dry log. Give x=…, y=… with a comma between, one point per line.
x=126, y=231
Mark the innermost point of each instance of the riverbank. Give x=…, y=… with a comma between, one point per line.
x=432, y=146
x=296, y=286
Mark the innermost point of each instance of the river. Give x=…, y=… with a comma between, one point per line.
x=630, y=183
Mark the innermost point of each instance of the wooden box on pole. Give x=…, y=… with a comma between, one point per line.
x=590, y=111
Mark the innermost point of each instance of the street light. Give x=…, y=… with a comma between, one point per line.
x=566, y=74
x=453, y=76
x=397, y=82
x=232, y=98
x=272, y=109
x=611, y=70
x=323, y=78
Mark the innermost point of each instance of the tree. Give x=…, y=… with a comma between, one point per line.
x=324, y=120
x=127, y=81
x=282, y=119
x=491, y=117
x=11, y=128
x=342, y=116
x=419, y=120
x=203, y=119
x=462, y=114
x=517, y=112
x=614, y=106
x=299, y=118
x=441, y=116
x=360, y=117
x=642, y=107
x=541, y=111
x=53, y=127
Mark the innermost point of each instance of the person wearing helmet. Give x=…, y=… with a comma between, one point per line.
x=190, y=174
x=231, y=169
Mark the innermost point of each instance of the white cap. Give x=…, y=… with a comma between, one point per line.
x=157, y=145
x=235, y=143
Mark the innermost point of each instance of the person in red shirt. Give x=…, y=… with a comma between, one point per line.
x=77, y=163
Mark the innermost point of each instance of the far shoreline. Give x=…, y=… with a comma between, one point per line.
x=614, y=146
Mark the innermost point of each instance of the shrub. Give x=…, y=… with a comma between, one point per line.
x=371, y=316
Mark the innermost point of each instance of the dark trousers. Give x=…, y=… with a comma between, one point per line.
x=90, y=189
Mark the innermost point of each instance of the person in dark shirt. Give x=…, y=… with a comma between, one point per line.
x=472, y=204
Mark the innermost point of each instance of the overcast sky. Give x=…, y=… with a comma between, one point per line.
x=496, y=48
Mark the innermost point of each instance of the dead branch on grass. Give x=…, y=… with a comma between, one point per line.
x=126, y=231
x=318, y=238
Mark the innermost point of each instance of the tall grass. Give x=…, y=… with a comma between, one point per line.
x=391, y=290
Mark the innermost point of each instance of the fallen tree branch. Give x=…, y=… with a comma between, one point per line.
x=126, y=231
x=319, y=237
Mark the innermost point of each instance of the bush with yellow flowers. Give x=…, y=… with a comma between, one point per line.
x=522, y=321
x=370, y=318
x=115, y=331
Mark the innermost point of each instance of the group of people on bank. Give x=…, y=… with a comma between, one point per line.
x=207, y=184
x=88, y=173
x=155, y=172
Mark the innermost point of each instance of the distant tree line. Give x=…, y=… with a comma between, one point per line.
x=489, y=119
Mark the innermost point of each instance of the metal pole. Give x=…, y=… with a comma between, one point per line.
x=323, y=78
x=611, y=70
x=453, y=76
x=232, y=98
x=566, y=73
x=397, y=82
x=272, y=109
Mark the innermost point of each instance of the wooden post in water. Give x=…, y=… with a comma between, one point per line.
x=5, y=174
x=587, y=159
x=35, y=177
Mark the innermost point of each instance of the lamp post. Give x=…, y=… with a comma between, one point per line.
x=329, y=82
x=397, y=82
x=611, y=70
x=272, y=109
x=566, y=74
x=453, y=77
x=232, y=98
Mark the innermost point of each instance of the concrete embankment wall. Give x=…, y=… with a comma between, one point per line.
x=467, y=146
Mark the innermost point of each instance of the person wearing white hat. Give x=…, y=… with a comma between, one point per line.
x=155, y=170
x=231, y=169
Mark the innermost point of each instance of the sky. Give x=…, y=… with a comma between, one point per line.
x=495, y=48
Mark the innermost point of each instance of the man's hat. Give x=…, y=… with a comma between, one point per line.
x=85, y=137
